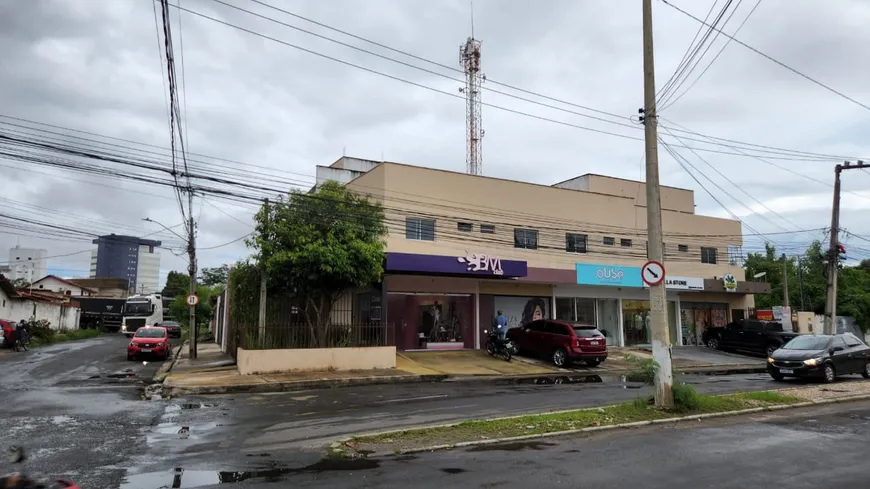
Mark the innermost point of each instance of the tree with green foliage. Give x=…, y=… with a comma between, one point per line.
x=214, y=277
x=808, y=283
x=181, y=311
x=315, y=246
x=177, y=285
x=21, y=283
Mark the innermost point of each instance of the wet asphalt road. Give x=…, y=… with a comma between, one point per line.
x=75, y=409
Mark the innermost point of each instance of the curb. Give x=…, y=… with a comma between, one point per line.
x=297, y=385
x=164, y=370
x=591, y=429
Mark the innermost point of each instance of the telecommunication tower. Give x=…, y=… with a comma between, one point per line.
x=469, y=59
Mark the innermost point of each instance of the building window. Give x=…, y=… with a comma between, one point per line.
x=608, y=241
x=625, y=243
x=683, y=248
x=575, y=243
x=465, y=227
x=526, y=239
x=708, y=255
x=487, y=229
x=420, y=229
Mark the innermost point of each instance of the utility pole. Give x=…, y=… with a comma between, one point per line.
x=784, y=281
x=191, y=252
x=661, y=343
x=261, y=323
x=801, y=282
x=834, y=250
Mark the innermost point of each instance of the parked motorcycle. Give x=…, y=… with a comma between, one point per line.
x=498, y=348
x=21, y=481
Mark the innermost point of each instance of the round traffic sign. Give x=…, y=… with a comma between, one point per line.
x=192, y=300
x=653, y=273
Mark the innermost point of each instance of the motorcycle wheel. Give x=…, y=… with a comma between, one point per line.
x=490, y=348
x=506, y=354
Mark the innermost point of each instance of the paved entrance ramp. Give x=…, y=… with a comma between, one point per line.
x=465, y=362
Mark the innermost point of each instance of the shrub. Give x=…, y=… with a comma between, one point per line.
x=644, y=369
x=685, y=397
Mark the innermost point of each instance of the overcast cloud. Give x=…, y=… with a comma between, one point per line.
x=93, y=65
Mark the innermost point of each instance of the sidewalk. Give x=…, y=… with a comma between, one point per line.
x=214, y=372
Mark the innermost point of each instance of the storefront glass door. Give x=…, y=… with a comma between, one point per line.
x=637, y=321
x=608, y=320
x=432, y=322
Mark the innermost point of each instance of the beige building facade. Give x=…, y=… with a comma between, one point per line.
x=462, y=247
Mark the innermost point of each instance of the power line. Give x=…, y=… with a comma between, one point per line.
x=780, y=63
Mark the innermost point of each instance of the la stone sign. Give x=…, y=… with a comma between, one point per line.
x=683, y=283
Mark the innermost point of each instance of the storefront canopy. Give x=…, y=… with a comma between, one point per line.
x=473, y=264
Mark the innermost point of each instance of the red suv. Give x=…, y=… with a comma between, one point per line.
x=7, y=332
x=562, y=342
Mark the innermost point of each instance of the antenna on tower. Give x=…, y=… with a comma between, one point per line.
x=469, y=59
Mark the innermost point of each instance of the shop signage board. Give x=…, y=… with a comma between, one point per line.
x=764, y=315
x=683, y=283
x=730, y=282
x=609, y=275
x=472, y=264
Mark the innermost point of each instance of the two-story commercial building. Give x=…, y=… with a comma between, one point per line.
x=462, y=247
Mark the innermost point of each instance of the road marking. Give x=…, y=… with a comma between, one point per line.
x=412, y=399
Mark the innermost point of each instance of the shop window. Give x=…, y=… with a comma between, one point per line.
x=526, y=239
x=575, y=243
x=487, y=229
x=708, y=255
x=420, y=229
x=683, y=248
x=625, y=243
x=465, y=227
x=608, y=241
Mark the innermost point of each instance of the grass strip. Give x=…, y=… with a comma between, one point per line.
x=79, y=334
x=536, y=424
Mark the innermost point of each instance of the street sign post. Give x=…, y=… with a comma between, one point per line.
x=653, y=273
x=192, y=300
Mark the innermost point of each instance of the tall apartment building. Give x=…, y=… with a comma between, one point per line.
x=127, y=257
x=461, y=247
x=27, y=263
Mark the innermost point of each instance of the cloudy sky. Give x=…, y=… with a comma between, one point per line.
x=94, y=65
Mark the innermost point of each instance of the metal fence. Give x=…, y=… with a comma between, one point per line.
x=286, y=327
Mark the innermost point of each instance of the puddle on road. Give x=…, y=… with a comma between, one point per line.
x=558, y=380
x=512, y=447
x=452, y=471
x=187, y=479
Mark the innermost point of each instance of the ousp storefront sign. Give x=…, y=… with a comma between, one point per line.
x=608, y=275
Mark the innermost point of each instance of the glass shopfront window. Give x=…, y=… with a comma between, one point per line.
x=697, y=317
x=637, y=322
x=603, y=313
x=431, y=321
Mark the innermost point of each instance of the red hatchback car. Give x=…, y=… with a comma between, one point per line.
x=561, y=342
x=7, y=332
x=149, y=341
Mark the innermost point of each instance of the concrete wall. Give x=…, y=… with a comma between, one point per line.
x=450, y=197
x=315, y=359
x=60, y=317
x=673, y=198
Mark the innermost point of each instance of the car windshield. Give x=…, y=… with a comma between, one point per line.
x=150, y=333
x=138, y=308
x=586, y=332
x=807, y=343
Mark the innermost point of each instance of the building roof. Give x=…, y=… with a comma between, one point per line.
x=6, y=286
x=102, y=283
x=126, y=239
x=619, y=178
x=68, y=282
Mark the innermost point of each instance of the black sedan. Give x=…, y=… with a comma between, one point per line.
x=172, y=327
x=821, y=357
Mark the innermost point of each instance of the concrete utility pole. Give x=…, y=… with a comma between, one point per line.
x=191, y=252
x=261, y=320
x=784, y=281
x=661, y=343
x=834, y=250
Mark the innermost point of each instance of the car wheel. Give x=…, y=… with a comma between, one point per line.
x=713, y=343
x=777, y=376
x=593, y=363
x=560, y=357
x=129, y=358
x=866, y=371
x=830, y=373
x=772, y=348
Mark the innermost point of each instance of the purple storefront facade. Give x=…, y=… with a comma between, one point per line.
x=433, y=301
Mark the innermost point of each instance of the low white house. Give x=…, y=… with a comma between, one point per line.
x=53, y=283
x=60, y=312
